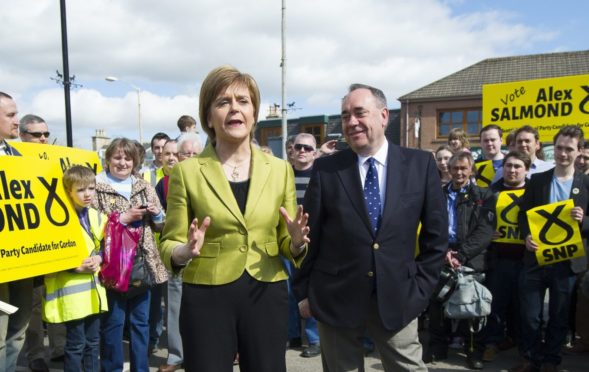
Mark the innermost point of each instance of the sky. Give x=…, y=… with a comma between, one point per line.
x=166, y=48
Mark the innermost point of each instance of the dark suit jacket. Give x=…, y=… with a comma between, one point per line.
x=538, y=193
x=346, y=264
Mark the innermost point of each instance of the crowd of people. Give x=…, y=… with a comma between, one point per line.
x=339, y=251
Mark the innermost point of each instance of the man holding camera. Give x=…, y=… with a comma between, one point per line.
x=471, y=221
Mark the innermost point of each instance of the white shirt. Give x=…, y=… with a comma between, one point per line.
x=381, y=160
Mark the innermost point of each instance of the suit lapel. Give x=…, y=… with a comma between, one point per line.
x=546, y=184
x=350, y=179
x=212, y=171
x=577, y=186
x=395, y=165
x=260, y=172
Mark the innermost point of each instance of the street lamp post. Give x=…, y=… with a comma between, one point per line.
x=138, y=91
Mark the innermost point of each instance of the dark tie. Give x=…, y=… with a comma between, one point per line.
x=372, y=195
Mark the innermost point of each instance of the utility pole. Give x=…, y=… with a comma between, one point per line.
x=283, y=66
x=66, y=76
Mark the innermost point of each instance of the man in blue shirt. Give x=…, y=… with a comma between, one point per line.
x=561, y=183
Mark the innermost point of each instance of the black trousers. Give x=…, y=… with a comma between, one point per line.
x=245, y=316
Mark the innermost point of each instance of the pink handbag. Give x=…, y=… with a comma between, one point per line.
x=119, y=250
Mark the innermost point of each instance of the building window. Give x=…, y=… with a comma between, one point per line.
x=468, y=120
x=267, y=133
x=317, y=130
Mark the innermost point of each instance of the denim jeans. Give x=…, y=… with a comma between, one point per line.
x=502, y=281
x=559, y=280
x=120, y=307
x=156, y=318
x=294, y=318
x=82, y=344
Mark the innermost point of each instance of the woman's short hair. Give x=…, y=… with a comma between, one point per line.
x=214, y=84
x=128, y=146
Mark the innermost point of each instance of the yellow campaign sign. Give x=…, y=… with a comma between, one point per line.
x=507, y=210
x=485, y=173
x=40, y=229
x=545, y=104
x=66, y=156
x=556, y=233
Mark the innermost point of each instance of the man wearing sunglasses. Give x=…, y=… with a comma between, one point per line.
x=303, y=156
x=33, y=128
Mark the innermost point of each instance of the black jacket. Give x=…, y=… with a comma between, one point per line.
x=538, y=193
x=475, y=212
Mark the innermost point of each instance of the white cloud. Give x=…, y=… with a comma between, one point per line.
x=168, y=47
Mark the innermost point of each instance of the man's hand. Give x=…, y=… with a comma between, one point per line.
x=305, y=309
x=531, y=244
x=327, y=148
x=577, y=214
x=452, y=260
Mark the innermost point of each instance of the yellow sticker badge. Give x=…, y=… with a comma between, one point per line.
x=507, y=210
x=485, y=173
x=556, y=233
x=66, y=156
x=39, y=227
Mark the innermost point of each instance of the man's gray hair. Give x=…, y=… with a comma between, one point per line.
x=29, y=119
x=306, y=135
x=378, y=94
x=190, y=137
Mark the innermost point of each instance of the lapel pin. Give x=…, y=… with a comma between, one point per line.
x=575, y=190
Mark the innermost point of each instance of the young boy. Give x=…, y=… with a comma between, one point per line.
x=76, y=297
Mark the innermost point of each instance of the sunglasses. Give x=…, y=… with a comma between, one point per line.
x=300, y=146
x=38, y=134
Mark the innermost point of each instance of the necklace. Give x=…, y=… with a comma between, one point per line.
x=235, y=170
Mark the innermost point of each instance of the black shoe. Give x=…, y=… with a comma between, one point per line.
x=311, y=351
x=474, y=363
x=38, y=365
x=435, y=356
x=294, y=342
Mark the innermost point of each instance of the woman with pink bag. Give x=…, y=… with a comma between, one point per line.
x=134, y=201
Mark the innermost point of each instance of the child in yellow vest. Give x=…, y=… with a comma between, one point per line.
x=76, y=297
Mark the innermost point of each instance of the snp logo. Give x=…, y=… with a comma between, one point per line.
x=556, y=232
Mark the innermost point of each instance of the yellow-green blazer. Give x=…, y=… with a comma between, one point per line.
x=233, y=242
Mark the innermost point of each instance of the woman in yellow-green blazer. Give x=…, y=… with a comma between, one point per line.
x=228, y=224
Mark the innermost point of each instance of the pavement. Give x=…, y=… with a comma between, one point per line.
x=456, y=362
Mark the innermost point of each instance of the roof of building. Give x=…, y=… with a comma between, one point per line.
x=469, y=81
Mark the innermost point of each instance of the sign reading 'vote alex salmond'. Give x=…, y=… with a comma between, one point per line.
x=556, y=233
x=39, y=228
x=545, y=104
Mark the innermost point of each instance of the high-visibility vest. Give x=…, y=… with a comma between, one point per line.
x=153, y=176
x=70, y=295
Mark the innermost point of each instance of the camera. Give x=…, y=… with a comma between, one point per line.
x=446, y=284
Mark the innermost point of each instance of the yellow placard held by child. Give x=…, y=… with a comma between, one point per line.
x=38, y=225
x=507, y=209
x=485, y=173
x=66, y=156
x=556, y=233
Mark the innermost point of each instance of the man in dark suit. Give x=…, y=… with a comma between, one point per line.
x=560, y=183
x=361, y=273
x=19, y=292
